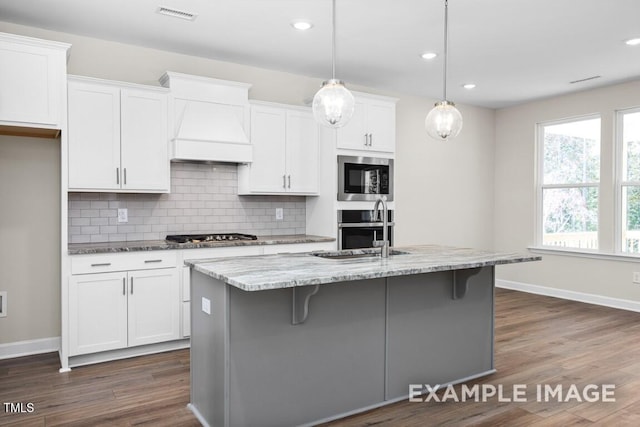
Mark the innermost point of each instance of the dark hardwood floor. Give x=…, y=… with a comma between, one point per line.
x=539, y=340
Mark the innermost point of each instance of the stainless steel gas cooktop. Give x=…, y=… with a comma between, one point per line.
x=210, y=237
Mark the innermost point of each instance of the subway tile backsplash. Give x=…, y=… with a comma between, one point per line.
x=203, y=199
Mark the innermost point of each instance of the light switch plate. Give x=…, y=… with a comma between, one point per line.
x=206, y=305
x=279, y=214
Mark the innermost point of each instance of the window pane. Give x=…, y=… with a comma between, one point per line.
x=631, y=138
x=570, y=217
x=572, y=152
x=631, y=220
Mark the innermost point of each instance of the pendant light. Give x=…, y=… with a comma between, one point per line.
x=444, y=121
x=333, y=104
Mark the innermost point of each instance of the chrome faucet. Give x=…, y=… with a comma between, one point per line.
x=384, y=244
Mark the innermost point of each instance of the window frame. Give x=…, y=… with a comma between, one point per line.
x=540, y=186
x=621, y=182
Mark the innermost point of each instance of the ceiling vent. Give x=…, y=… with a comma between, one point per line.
x=176, y=13
x=585, y=80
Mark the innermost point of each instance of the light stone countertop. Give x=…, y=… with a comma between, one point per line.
x=264, y=272
x=154, y=245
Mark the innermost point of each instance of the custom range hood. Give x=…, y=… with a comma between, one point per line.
x=209, y=119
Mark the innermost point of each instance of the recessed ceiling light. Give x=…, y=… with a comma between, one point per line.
x=175, y=13
x=633, y=42
x=469, y=85
x=302, y=25
x=428, y=55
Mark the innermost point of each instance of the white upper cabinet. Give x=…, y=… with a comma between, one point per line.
x=285, y=152
x=32, y=82
x=372, y=127
x=117, y=137
x=143, y=139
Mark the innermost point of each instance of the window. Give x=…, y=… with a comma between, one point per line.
x=568, y=183
x=629, y=182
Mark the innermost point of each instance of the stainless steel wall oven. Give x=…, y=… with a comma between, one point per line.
x=359, y=229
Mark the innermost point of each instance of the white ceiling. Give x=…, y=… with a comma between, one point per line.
x=514, y=50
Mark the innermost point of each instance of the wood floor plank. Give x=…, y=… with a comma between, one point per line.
x=539, y=340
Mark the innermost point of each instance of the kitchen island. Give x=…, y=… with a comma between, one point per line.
x=296, y=339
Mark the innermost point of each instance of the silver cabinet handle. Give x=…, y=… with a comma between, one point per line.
x=132, y=286
x=370, y=140
x=147, y=261
x=124, y=286
x=284, y=181
x=289, y=181
x=101, y=264
x=366, y=139
x=118, y=176
x=125, y=176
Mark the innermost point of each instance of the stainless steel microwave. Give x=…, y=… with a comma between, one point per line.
x=364, y=178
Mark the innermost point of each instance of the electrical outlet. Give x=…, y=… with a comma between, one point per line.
x=279, y=214
x=636, y=277
x=3, y=303
x=206, y=305
x=123, y=215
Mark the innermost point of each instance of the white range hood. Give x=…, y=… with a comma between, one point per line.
x=210, y=119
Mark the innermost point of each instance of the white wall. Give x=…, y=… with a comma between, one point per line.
x=444, y=190
x=515, y=201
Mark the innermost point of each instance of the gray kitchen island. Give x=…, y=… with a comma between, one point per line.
x=297, y=339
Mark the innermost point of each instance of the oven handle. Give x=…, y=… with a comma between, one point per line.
x=363, y=224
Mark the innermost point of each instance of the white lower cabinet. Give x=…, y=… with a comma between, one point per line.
x=97, y=313
x=154, y=306
x=121, y=300
x=109, y=311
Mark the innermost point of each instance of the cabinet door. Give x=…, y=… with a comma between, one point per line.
x=154, y=306
x=31, y=84
x=302, y=153
x=94, y=136
x=353, y=134
x=381, y=122
x=144, y=140
x=268, y=136
x=97, y=313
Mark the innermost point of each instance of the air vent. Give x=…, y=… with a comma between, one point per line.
x=585, y=80
x=176, y=13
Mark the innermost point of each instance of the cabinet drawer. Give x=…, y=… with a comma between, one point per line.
x=102, y=263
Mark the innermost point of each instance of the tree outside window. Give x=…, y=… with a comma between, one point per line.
x=570, y=175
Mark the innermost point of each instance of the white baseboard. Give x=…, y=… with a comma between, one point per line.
x=30, y=347
x=622, y=304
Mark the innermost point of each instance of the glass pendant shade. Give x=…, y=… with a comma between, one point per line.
x=444, y=121
x=333, y=104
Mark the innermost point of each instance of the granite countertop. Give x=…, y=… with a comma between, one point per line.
x=264, y=272
x=154, y=245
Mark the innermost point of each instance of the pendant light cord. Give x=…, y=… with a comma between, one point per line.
x=446, y=45
x=333, y=39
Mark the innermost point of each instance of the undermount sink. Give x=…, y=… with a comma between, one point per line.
x=356, y=253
